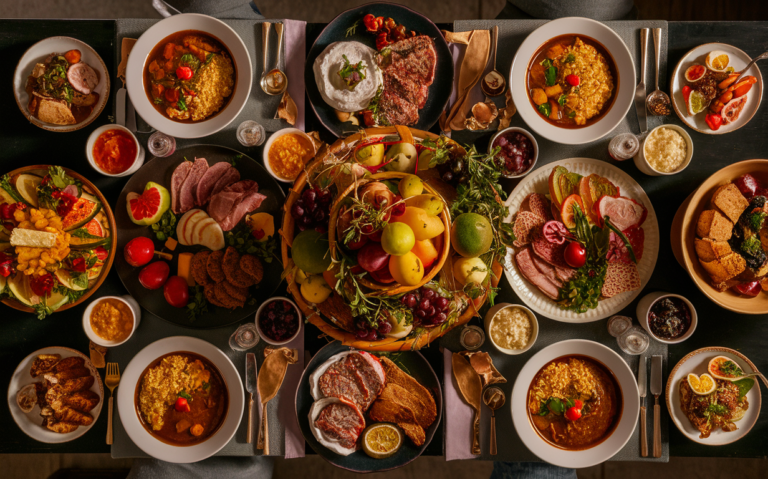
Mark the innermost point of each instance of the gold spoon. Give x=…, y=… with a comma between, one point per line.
x=494, y=398
x=493, y=83
x=275, y=81
x=657, y=102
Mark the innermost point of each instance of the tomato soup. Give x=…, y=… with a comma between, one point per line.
x=114, y=151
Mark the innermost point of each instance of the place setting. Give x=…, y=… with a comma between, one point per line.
x=460, y=261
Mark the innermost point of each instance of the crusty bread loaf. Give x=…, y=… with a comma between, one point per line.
x=725, y=268
x=709, y=250
x=730, y=201
x=714, y=225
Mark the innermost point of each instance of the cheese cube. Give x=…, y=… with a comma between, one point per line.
x=32, y=238
x=185, y=259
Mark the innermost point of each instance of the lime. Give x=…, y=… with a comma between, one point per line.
x=697, y=103
x=397, y=239
x=310, y=252
x=471, y=234
x=382, y=440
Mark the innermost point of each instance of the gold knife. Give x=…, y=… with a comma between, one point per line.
x=642, y=385
x=472, y=389
x=250, y=386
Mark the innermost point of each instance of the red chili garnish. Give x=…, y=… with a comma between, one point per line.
x=41, y=285
x=382, y=40
x=686, y=93
x=79, y=265
x=101, y=253
x=258, y=234
x=182, y=405
x=573, y=80
x=372, y=24
x=714, y=120
x=6, y=269
x=184, y=73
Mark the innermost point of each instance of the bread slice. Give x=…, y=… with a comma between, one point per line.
x=725, y=268
x=709, y=250
x=714, y=225
x=730, y=201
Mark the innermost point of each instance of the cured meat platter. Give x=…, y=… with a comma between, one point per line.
x=624, y=281
x=242, y=190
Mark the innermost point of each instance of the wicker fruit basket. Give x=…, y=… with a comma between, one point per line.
x=328, y=323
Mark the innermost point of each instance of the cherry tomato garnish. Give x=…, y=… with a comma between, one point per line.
x=184, y=73
x=573, y=413
x=573, y=80
x=182, y=405
x=575, y=254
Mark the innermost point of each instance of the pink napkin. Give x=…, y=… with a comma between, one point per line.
x=286, y=412
x=295, y=54
x=458, y=416
x=476, y=95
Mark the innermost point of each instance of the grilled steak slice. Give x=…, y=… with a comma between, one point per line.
x=188, y=193
x=397, y=110
x=416, y=56
x=342, y=422
x=342, y=380
x=177, y=180
x=406, y=87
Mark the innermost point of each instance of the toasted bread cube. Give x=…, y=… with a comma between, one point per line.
x=714, y=225
x=708, y=250
x=725, y=268
x=730, y=201
x=553, y=91
x=555, y=51
x=538, y=96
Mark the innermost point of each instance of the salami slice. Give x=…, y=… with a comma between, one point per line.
x=620, y=277
x=526, y=224
x=549, y=252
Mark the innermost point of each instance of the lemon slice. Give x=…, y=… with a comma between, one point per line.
x=717, y=61
x=697, y=103
x=27, y=185
x=702, y=385
x=382, y=440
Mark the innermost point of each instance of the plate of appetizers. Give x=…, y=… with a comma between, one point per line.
x=379, y=64
x=181, y=399
x=575, y=403
x=198, y=239
x=724, y=237
x=189, y=75
x=710, y=399
x=366, y=412
x=57, y=239
x=584, y=252
x=705, y=93
x=573, y=80
x=55, y=395
x=61, y=84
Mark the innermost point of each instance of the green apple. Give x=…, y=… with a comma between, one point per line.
x=403, y=156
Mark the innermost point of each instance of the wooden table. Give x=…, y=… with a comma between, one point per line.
x=23, y=143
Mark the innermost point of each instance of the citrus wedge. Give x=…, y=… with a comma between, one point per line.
x=382, y=440
x=697, y=103
x=717, y=61
x=702, y=385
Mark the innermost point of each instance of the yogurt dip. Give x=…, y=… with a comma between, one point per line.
x=333, y=88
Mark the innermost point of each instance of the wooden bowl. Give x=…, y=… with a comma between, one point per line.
x=699, y=202
x=443, y=241
x=330, y=326
x=90, y=188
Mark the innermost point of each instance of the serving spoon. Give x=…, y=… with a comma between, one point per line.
x=657, y=101
x=275, y=81
x=493, y=83
x=494, y=398
x=749, y=65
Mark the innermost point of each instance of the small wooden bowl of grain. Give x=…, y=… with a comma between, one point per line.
x=512, y=328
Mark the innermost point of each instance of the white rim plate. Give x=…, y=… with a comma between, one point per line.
x=129, y=413
x=37, y=53
x=625, y=67
x=31, y=423
x=537, y=182
x=154, y=35
x=738, y=60
x=696, y=362
x=609, y=446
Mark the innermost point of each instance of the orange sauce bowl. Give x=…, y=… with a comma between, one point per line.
x=113, y=150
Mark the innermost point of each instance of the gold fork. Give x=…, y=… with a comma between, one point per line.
x=112, y=379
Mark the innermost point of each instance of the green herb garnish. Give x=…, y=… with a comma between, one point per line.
x=744, y=386
x=181, y=105
x=752, y=246
x=351, y=30
x=198, y=305
x=545, y=109
x=717, y=409
x=756, y=221
x=569, y=58
x=352, y=73
x=185, y=395
x=561, y=100
x=166, y=227
x=83, y=233
x=731, y=369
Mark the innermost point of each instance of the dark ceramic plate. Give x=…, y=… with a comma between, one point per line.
x=413, y=363
x=439, y=91
x=160, y=170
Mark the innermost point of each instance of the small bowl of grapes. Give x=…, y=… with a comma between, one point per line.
x=518, y=151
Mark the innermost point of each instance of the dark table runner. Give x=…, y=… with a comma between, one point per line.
x=23, y=143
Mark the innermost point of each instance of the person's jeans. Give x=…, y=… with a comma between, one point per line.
x=530, y=470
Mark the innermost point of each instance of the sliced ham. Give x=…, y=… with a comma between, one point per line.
x=208, y=181
x=620, y=277
x=177, y=180
x=223, y=201
x=526, y=224
x=623, y=212
x=547, y=270
x=82, y=77
x=549, y=252
x=230, y=176
x=189, y=188
x=248, y=202
x=527, y=268
x=564, y=274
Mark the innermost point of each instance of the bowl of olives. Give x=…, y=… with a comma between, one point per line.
x=518, y=151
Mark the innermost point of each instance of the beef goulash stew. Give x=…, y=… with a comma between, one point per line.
x=574, y=402
x=189, y=76
x=572, y=81
x=181, y=399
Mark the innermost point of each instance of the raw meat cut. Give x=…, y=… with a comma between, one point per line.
x=177, y=180
x=208, y=181
x=189, y=188
x=623, y=212
x=526, y=266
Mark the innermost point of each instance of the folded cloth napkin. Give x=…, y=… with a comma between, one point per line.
x=286, y=412
x=458, y=416
x=473, y=64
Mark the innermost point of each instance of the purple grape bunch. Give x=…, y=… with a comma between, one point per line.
x=312, y=210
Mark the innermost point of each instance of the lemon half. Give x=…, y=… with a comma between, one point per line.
x=382, y=440
x=702, y=385
x=717, y=61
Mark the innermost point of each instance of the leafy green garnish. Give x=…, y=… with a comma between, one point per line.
x=184, y=394
x=242, y=239
x=190, y=60
x=756, y=221
x=545, y=109
x=5, y=183
x=208, y=59
x=352, y=73
x=546, y=63
x=572, y=114
x=83, y=233
x=166, y=227
x=550, y=75
x=717, y=409
x=60, y=178
x=744, y=386
x=198, y=305
x=42, y=310
x=440, y=148
x=561, y=100
x=752, y=246
x=569, y=58
x=729, y=368
x=71, y=295
x=181, y=104
x=556, y=406
x=79, y=279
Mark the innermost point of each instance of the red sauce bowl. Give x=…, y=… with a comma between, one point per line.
x=113, y=150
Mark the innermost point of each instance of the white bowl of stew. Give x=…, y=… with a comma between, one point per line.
x=207, y=78
x=529, y=72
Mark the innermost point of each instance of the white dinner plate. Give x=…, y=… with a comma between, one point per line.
x=609, y=446
x=37, y=53
x=696, y=362
x=738, y=60
x=624, y=94
x=129, y=414
x=31, y=423
x=161, y=30
x=537, y=182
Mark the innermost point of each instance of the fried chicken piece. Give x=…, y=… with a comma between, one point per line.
x=69, y=363
x=384, y=410
x=214, y=266
x=68, y=415
x=58, y=426
x=251, y=265
x=69, y=386
x=396, y=376
x=199, y=267
x=83, y=401
x=44, y=363
x=73, y=373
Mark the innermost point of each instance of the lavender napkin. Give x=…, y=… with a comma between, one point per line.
x=294, y=440
x=458, y=416
x=295, y=48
